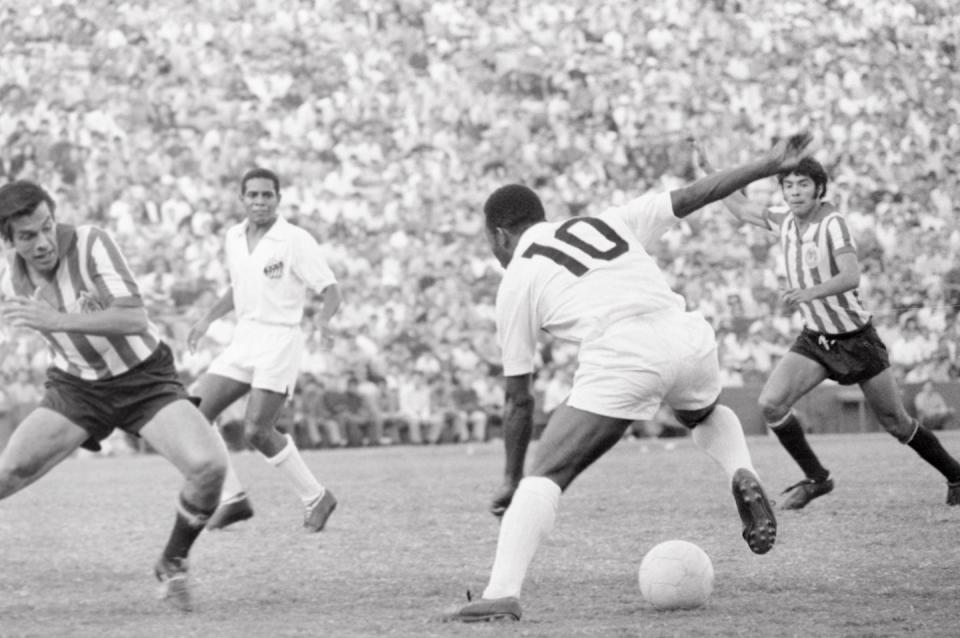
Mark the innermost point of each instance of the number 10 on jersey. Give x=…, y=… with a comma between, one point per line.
x=564, y=235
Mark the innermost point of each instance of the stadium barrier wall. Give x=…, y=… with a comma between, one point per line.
x=827, y=409
x=831, y=409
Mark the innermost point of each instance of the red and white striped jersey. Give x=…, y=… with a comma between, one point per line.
x=810, y=259
x=92, y=275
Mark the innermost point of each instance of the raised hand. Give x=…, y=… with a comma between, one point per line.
x=788, y=152
x=699, y=156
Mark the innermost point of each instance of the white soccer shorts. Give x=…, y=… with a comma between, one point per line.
x=267, y=356
x=640, y=362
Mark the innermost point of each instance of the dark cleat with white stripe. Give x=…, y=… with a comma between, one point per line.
x=486, y=609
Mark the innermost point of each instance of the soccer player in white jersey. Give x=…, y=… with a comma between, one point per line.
x=838, y=340
x=591, y=280
x=109, y=367
x=271, y=264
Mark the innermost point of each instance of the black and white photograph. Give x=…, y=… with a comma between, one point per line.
x=362, y=318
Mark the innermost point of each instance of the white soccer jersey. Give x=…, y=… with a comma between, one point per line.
x=811, y=259
x=573, y=278
x=270, y=283
x=91, y=275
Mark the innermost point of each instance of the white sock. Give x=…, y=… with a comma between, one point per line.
x=721, y=436
x=525, y=523
x=304, y=482
x=232, y=487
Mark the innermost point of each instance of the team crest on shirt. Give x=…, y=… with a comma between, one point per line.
x=811, y=257
x=274, y=268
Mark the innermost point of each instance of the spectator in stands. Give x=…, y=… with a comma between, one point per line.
x=313, y=418
x=931, y=408
x=356, y=414
x=415, y=405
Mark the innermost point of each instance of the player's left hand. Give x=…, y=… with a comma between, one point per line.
x=699, y=156
x=796, y=296
x=788, y=152
x=21, y=312
x=501, y=500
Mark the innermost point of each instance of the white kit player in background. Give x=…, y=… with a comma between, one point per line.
x=271, y=263
x=590, y=280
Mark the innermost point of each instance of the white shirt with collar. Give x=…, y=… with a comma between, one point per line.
x=270, y=283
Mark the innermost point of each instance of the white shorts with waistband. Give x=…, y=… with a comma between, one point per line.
x=637, y=363
x=267, y=356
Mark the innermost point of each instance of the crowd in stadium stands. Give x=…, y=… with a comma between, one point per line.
x=390, y=121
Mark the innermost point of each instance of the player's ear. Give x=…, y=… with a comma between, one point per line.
x=503, y=237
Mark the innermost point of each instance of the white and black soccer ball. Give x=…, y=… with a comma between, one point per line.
x=676, y=575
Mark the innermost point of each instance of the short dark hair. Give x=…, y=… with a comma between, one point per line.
x=18, y=199
x=513, y=207
x=808, y=167
x=259, y=173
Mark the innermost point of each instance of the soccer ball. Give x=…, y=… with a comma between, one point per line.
x=676, y=575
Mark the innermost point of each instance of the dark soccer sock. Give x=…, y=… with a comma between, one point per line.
x=795, y=443
x=928, y=446
x=190, y=522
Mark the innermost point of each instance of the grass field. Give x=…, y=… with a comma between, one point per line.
x=878, y=557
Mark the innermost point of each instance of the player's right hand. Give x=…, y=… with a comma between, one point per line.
x=501, y=500
x=196, y=332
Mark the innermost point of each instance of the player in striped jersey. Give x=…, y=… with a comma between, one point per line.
x=592, y=281
x=109, y=368
x=838, y=340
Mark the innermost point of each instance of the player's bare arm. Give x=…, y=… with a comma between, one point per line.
x=721, y=184
x=331, y=302
x=114, y=320
x=847, y=279
x=222, y=307
x=517, y=429
x=737, y=203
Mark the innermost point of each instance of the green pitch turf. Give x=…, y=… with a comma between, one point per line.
x=878, y=557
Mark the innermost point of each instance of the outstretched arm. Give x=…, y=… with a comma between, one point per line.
x=745, y=211
x=114, y=320
x=718, y=185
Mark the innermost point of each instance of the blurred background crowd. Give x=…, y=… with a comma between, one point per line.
x=390, y=121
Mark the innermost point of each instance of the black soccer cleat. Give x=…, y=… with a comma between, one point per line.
x=229, y=512
x=805, y=491
x=174, y=582
x=318, y=511
x=759, y=523
x=486, y=610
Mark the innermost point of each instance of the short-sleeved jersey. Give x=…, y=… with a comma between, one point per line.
x=269, y=284
x=573, y=278
x=91, y=275
x=810, y=259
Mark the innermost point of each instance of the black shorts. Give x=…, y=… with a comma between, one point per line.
x=849, y=358
x=127, y=401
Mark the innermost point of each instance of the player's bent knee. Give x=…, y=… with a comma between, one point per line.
x=902, y=432
x=207, y=474
x=692, y=418
x=772, y=411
